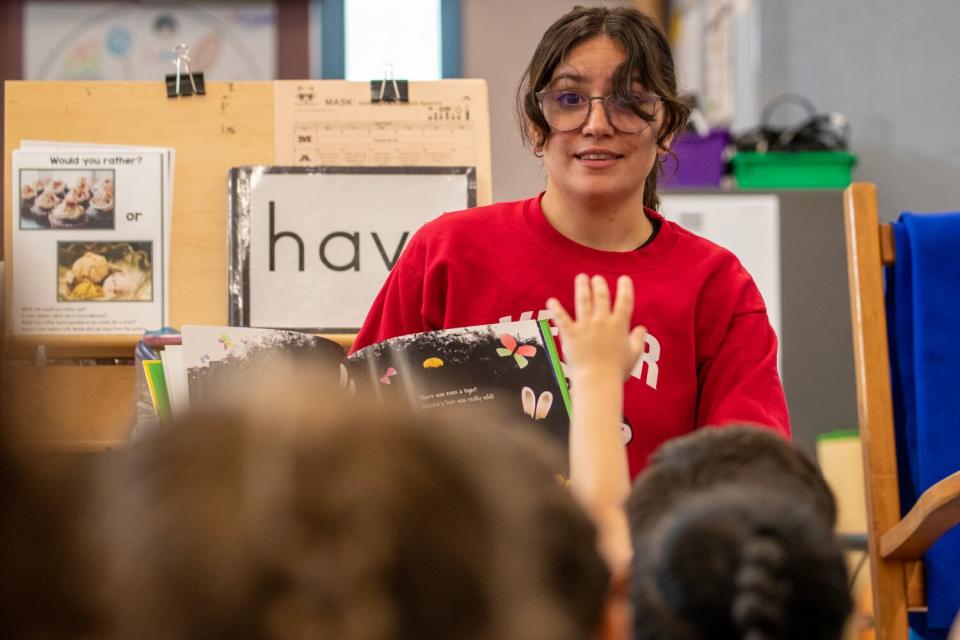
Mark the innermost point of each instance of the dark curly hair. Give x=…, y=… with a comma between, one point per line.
x=739, y=562
x=649, y=59
x=745, y=454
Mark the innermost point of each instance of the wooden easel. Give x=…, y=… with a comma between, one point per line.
x=232, y=125
x=65, y=402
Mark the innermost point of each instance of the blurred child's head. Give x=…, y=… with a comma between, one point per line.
x=565, y=571
x=739, y=562
x=320, y=519
x=688, y=465
x=47, y=567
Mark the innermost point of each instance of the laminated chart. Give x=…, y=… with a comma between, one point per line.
x=337, y=123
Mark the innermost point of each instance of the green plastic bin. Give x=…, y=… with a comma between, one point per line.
x=793, y=170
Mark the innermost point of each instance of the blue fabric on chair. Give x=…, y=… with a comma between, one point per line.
x=923, y=316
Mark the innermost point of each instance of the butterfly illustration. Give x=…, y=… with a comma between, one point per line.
x=389, y=374
x=225, y=340
x=536, y=407
x=519, y=352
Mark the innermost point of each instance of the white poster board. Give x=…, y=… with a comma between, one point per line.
x=310, y=247
x=91, y=240
x=747, y=225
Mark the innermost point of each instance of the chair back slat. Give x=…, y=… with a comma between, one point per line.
x=888, y=252
x=865, y=239
x=916, y=588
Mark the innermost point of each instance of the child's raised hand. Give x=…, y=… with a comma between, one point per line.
x=600, y=350
x=599, y=339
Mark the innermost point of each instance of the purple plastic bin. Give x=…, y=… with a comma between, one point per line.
x=701, y=162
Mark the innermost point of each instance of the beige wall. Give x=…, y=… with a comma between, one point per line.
x=498, y=39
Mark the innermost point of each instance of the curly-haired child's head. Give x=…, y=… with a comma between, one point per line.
x=711, y=456
x=739, y=562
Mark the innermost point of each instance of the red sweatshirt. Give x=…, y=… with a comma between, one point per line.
x=711, y=354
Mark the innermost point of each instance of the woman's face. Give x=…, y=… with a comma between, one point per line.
x=596, y=161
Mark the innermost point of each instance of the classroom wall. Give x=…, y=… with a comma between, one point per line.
x=891, y=67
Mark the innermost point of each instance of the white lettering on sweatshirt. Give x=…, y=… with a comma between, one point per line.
x=649, y=358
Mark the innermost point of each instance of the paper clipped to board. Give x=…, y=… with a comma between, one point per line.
x=445, y=123
x=91, y=238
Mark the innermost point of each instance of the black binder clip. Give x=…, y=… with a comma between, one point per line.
x=176, y=85
x=389, y=89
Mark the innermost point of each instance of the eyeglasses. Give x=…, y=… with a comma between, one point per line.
x=567, y=110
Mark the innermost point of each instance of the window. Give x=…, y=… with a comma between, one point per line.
x=378, y=37
x=361, y=39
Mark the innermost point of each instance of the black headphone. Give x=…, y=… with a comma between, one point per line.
x=816, y=132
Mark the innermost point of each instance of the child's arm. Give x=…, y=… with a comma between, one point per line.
x=600, y=350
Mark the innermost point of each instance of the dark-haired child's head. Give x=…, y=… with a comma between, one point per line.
x=739, y=562
x=708, y=457
x=345, y=523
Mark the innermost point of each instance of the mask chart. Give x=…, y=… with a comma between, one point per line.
x=340, y=123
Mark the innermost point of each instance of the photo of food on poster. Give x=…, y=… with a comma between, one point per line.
x=90, y=240
x=66, y=199
x=100, y=271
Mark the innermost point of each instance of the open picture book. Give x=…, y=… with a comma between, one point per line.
x=513, y=364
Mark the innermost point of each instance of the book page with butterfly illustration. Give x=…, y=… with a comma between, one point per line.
x=216, y=358
x=512, y=365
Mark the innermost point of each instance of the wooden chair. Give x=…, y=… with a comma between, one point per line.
x=896, y=545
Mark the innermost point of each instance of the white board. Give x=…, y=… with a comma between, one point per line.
x=310, y=247
x=747, y=225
